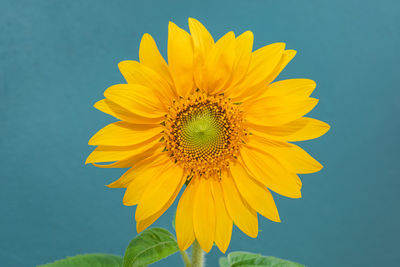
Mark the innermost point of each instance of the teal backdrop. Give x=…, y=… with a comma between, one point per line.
x=57, y=57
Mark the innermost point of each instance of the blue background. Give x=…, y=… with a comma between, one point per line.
x=57, y=58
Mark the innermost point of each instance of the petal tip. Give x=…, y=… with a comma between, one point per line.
x=253, y=235
x=138, y=214
x=97, y=104
x=195, y=22
x=223, y=251
x=91, y=141
x=279, y=46
x=139, y=228
x=314, y=84
x=206, y=248
x=126, y=203
x=231, y=34
x=110, y=185
x=171, y=25
x=89, y=159
x=291, y=53
x=146, y=35
x=184, y=245
x=328, y=127
x=276, y=218
x=248, y=34
x=223, y=247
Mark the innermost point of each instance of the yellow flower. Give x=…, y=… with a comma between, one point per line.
x=211, y=119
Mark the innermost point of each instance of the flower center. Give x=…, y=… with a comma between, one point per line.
x=201, y=130
x=204, y=132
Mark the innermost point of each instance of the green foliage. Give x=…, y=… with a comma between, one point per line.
x=156, y=244
x=246, y=259
x=223, y=262
x=88, y=260
x=150, y=246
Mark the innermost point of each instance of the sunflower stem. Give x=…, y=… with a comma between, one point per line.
x=197, y=255
x=186, y=259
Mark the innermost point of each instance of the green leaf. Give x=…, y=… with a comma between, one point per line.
x=246, y=259
x=223, y=262
x=238, y=256
x=88, y=260
x=150, y=246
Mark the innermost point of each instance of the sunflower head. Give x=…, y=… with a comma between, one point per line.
x=203, y=133
x=211, y=118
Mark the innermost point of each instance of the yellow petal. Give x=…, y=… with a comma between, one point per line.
x=299, y=160
x=204, y=214
x=202, y=39
x=180, y=59
x=261, y=142
x=252, y=92
x=242, y=214
x=137, y=169
x=120, y=156
x=124, y=134
x=120, y=113
x=244, y=46
x=276, y=110
x=115, y=153
x=291, y=87
x=138, y=185
x=218, y=64
x=293, y=157
x=287, y=56
x=223, y=224
x=106, y=154
x=137, y=73
x=151, y=57
x=270, y=172
x=159, y=190
x=262, y=64
x=184, y=218
x=141, y=225
x=138, y=99
x=256, y=194
x=139, y=178
x=202, y=44
x=297, y=130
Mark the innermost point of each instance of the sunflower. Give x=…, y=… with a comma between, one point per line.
x=211, y=119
